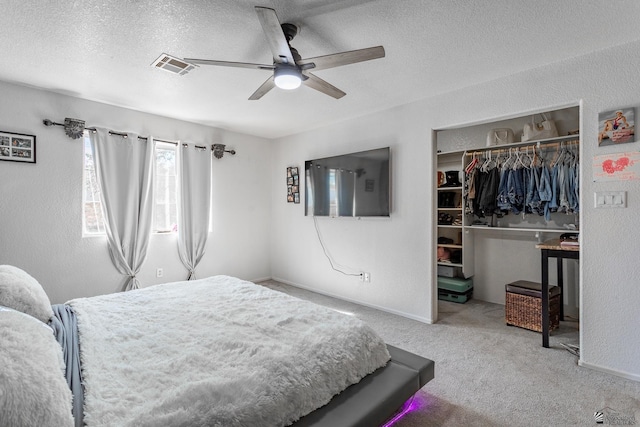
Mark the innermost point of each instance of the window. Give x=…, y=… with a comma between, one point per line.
x=92, y=220
x=165, y=189
x=164, y=192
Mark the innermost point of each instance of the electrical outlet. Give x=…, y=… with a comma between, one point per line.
x=367, y=277
x=361, y=278
x=159, y=272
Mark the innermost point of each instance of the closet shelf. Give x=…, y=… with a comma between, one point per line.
x=534, y=230
x=546, y=142
x=450, y=264
x=450, y=245
x=450, y=209
x=450, y=226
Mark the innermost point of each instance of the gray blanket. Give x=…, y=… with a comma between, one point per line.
x=65, y=329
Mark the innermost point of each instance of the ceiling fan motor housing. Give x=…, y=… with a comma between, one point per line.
x=289, y=30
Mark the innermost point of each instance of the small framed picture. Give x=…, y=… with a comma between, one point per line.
x=293, y=189
x=369, y=184
x=616, y=126
x=17, y=147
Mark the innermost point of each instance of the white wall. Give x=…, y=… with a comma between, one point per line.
x=40, y=204
x=399, y=252
x=393, y=250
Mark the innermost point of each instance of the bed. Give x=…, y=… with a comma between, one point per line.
x=218, y=351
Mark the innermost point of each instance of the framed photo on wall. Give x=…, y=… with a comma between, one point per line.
x=616, y=126
x=15, y=147
x=293, y=189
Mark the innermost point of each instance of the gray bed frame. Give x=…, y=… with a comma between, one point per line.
x=378, y=396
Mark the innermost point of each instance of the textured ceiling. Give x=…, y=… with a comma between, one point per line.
x=102, y=50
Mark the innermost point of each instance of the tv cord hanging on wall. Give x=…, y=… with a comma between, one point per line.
x=326, y=253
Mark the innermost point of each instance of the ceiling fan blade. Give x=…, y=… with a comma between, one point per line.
x=229, y=64
x=343, y=58
x=323, y=86
x=263, y=89
x=275, y=37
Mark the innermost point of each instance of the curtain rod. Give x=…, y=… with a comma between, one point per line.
x=74, y=128
x=144, y=138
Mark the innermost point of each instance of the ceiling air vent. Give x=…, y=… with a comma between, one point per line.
x=172, y=64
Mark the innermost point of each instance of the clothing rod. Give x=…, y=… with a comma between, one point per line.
x=521, y=147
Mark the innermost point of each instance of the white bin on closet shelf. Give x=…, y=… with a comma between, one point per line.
x=448, y=271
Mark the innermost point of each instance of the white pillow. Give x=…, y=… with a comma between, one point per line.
x=33, y=390
x=20, y=291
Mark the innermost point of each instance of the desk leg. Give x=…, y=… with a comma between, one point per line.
x=559, y=261
x=545, y=297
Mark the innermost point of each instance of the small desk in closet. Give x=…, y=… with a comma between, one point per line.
x=553, y=249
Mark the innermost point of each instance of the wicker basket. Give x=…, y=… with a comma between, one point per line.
x=525, y=311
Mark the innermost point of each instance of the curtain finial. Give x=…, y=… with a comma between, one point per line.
x=219, y=150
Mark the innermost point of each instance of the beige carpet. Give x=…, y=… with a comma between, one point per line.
x=490, y=374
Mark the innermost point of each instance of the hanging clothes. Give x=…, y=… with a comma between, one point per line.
x=523, y=184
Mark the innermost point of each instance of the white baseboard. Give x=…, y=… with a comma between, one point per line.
x=377, y=307
x=261, y=279
x=627, y=375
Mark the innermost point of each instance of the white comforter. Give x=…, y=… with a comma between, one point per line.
x=216, y=352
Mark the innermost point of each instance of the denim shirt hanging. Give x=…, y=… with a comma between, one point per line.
x=545, y=191
x=563, y=185
x=503, y=197
x=515, y=190
x=534, y=194
x=553, y=203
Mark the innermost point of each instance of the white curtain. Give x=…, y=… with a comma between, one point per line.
x=194, y=201
x=124, y=170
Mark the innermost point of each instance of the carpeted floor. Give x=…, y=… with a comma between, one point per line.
x=490, y=374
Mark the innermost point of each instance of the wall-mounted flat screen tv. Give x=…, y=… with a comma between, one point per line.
x=349, y=185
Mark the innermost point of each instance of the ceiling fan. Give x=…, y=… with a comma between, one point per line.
x=289, y=69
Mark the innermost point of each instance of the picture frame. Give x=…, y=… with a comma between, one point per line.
x=293, y=189
x=616, y=126
x=369, y=185
x=17, y=147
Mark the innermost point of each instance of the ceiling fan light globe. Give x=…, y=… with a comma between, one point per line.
x=288, y=82
x=287, y=78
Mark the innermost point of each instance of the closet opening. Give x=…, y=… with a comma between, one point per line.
x=502, y=189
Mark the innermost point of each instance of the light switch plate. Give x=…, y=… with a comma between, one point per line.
x=610, y=199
